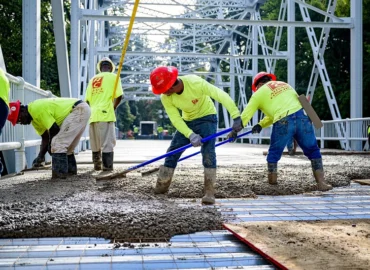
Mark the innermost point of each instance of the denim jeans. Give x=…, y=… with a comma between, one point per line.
x=289, y=144
x=204, y=126
x=298, y=126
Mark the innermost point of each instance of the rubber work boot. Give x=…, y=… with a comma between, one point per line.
x=318, y=173
x=164, y=179
x=72, y=164
x=59, y=166
x=96, y=157
x=108, y=161
x=272, y=173
x=209, y=185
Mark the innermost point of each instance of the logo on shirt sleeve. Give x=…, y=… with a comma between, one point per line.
x=195, y=101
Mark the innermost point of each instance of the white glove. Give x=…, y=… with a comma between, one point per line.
x=195, y=139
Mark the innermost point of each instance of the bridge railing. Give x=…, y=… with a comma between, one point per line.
x=353, y=137
x=20, y=144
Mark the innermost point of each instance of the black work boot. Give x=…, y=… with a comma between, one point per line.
x=72, y=164
x=108, y=161
x=272, y=173
x=96, y=157
x=59, y=166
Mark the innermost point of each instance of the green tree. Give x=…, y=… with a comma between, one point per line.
x=11, y=41
x=124, y=117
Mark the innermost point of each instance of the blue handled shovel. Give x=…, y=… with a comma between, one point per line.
x=196, y=153
x=181, y=149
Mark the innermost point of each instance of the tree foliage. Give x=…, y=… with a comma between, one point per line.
x=11, y=41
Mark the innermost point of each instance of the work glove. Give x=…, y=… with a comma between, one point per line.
x=238, y=124
x=195, y=139
x=256, y=129
x=232, y=135
x=37, y=162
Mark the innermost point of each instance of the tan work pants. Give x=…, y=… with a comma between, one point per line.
x=71, y=130
x=102, y=137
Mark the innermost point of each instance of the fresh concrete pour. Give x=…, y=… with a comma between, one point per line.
x=32, y=205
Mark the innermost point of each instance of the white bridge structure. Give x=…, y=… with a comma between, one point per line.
x=222, y=40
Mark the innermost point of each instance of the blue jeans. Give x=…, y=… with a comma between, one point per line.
x=204, y=126
x=289, y=144
x=298, y=126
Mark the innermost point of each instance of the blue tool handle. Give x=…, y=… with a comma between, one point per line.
x=218, y=144
x=181, y=149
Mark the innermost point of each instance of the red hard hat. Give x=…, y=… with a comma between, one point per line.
x=162, y=79
x=14, y=111
x=259, y=76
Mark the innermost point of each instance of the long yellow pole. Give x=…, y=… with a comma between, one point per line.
x=124, y=49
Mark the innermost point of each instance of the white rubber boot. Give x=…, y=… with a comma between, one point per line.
x=209, y=186
x=164, y=179
x=318, y=173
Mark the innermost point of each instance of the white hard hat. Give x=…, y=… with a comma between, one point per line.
x=106, y=59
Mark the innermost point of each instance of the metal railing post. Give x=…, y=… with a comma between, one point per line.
x=20, y=153
x=348, y=129
x=322, y=136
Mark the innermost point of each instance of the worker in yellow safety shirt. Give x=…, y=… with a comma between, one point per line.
x=160, y=132
x=102, y=128
x=4, y=104
x=193, y=96
x=136, y=132
x=60, y=122
x=282, y=109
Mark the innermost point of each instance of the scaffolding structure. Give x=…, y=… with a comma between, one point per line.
x=222, y=40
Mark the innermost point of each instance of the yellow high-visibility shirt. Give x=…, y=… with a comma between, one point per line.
x=275, y=99
x=4, y=87
x=195, y=102
x=368, y=131
x=47, y=111
x=159, y=129
x=99, y=95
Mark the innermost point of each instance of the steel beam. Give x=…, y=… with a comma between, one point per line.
x=92, y=15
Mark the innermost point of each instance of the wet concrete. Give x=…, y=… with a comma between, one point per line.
x=32, y=205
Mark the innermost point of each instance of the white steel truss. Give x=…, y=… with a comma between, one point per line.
x=198, y=36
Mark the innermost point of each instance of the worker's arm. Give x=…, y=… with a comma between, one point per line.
x=266, y=122
x=222, y=97
x=37, y=162
x=175, y=117
x=117, y=101
x=249, y=111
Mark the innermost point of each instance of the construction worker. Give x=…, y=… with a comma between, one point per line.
x=192, y=95
x=61, y=123
x=136, y=132
x=4, y=104
x=99, y=95
x=160, y=132
x=281, y=107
